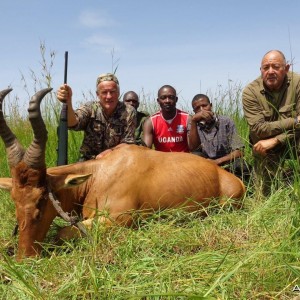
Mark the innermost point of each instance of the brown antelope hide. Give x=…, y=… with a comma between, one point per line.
x=129, y=178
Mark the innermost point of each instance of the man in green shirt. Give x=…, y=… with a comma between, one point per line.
x=131, y=98
x=271, y=106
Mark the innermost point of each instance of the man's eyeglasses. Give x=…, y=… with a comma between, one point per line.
x=163, y=97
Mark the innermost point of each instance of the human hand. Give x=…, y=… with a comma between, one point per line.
x=104, y=153
x=215, y=161
x=203, y=116
x=263, y=146
x=64, y=94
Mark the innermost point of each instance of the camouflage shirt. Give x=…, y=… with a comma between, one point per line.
x=101, y=132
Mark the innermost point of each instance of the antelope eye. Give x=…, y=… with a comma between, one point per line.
x=37, y=214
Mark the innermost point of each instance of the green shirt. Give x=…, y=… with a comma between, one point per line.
x=269, y=116
x=141, y=117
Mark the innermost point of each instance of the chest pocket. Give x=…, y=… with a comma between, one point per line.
x=287, y=111
x=117, y=125
x=117, y=129
x=98, y=126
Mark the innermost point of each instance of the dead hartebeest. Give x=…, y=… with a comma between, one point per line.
x=130, y=178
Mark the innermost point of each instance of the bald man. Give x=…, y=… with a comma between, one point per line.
x=271, y=105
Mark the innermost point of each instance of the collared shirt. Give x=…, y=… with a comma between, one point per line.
x=270, y=117
x=219, y=140
x=101, y=132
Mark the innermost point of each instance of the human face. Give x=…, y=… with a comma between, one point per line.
x=167, y=100
x=132, y=100
x=201, y=104
x=108, y=94
x=273, y=70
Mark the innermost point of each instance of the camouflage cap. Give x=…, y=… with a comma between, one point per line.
x=107, y=77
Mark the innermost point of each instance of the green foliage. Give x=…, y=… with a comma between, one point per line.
x=247, y=254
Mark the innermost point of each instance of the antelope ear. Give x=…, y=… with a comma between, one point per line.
x=6, y=184
x=58, y=182
x=76, y=179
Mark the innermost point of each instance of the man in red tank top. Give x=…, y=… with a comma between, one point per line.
x=167, y=129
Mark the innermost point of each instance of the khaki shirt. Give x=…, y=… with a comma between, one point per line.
x=268, y=117
x=101, y=132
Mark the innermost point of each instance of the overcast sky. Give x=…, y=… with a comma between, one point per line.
x=194, y=45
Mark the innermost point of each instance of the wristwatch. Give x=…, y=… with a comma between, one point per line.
x=297, y=123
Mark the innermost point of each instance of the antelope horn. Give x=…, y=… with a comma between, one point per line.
x=14, y=150
x=35, y=155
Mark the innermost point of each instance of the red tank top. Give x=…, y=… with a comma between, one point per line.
x=172, y=136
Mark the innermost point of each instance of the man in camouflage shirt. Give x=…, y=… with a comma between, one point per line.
x=106, y=123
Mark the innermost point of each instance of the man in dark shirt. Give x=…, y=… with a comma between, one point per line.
x=215, y=137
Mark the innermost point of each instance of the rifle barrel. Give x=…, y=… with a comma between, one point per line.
x=62, y=130
x=66, y=68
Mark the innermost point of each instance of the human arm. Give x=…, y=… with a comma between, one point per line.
x=64, y=95
x=262, y=146
x=108, y=151
x=148, y=132
x=229, y=157
x=194, y=141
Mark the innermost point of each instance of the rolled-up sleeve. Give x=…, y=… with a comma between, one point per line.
x=83, y=115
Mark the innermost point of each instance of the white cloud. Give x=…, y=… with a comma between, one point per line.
x=104, y=43
x=96, y=19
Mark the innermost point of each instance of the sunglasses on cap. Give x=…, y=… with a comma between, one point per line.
x=107, y=77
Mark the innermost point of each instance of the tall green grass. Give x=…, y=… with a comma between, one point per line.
x=252, y=253
x=247, y=254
